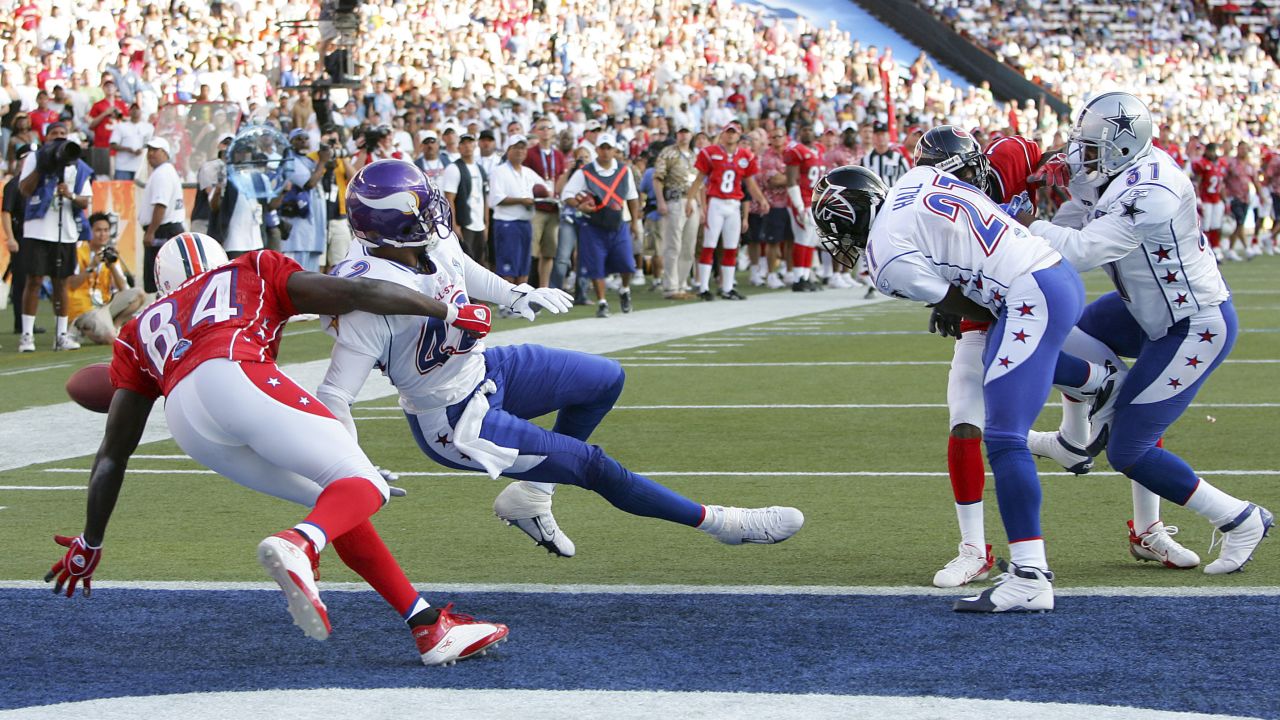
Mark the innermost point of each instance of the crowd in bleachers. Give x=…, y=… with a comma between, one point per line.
x=443, y=82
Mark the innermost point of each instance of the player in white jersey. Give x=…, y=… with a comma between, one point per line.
x=937, y=239
x=469, y=407
x=1133, y=213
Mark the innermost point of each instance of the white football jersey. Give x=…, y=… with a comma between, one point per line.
x=432, y=364
x=935, y=232
x=1144, y=232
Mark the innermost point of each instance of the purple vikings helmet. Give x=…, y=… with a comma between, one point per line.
x=393, y=203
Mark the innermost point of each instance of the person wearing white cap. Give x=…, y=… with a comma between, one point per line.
x=161, y=212
x=612, y=219
x=128, y=140
x=511, y=197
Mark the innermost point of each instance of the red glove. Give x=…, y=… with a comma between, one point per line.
x=475, y=320
x=78, y=564
x=1052, y=173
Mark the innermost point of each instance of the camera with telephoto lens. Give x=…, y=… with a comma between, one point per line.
x=374, y=135
x=110, y=254
x=56, y=155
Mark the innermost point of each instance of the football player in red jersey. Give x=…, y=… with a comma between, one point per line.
x=723, y=170
x=209, y=345
x=1207, y=173
x=805, y=166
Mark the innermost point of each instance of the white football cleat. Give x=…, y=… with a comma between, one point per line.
x=454, y=636
x=65, y=342
x=973, y=563
x=1051, y=445
x=530, y=510
x=27, y=343
x=1018, y=589
x=1240, y=538
x=292, y=562
x=773, y=282
x=1103, y=409
x=1157, y=545
x=757, y=526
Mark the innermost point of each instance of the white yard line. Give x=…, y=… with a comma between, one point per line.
x=863, y=363
x=652, y=474
x=815, y=406
x=38, y=435
x=584, y=589
x=37, y=368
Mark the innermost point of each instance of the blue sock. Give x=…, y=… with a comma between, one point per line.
x=1017, y=487
x=638, y=494
x=1161, y=472
x=1070, y=371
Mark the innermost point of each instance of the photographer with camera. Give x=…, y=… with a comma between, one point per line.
x=374, y=143
x=162, y=212
x=57, y=187
x=99, y=296
x=338, y=170
x=302, y=204
x=103, y=117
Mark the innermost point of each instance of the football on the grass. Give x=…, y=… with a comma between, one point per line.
x=541, y=191
x=90, y=387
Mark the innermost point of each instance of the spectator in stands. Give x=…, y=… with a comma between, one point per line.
x=511, y=197
x=606, y=193
x=128, y=140
x=103, y=117
x=429, y=160
x=43, y=115
x=21, y=133
x=56, y=196
x=465, y=179
x=546, y=160
x=100, y=297
x=489, y=157
x=161, y=213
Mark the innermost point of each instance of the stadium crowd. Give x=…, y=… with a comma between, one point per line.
x=459, y=86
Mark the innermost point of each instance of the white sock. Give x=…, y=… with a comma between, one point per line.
x=1029, y=553
x=711, y=515
x=1146, y=508
x=704, y=277
x=1075, y=422
x=826, y=265
x=763, y=265
x=726, y=278
x=802, y=274
x=972, y=531
x=1214, y=505
x=314, y=534
x=1097, y=375
x=28, y=324
x=60, y=322
x=544, y=488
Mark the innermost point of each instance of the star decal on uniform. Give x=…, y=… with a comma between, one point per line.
x=1175, y=383
x=273, y=382
x=1194, y=361
x=443, y=439
x=1025, y=310
x=1131, y=210
x=997, y=296
x=977, y=282
x=1124, y=123
x=1161, y=253
x=963, y=280
x=464, y=456
x=1181, y=300
x=1207, y=336
x=262, y=333
x=1021, y=336
x=1005, y=362
x=304, y=400
x=1170, y=277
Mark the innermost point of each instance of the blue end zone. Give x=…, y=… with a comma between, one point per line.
x=1192, y=654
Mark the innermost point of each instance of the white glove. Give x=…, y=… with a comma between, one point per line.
x=524, y=295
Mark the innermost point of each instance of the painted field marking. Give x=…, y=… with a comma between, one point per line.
x=624, y=589
x=38, y=368
x=682, y=352
x=703, y=345
x=652, y=473
x=871, y=363
x=651, y=357
x=46, y=487
x=812, y=406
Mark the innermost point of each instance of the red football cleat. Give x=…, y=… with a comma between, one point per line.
x=290, y=560
x=455, y=637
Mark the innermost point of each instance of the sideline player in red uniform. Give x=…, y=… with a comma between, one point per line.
x=722, y=172
x=805, y=166
x=1208, y=173
x=209, y=346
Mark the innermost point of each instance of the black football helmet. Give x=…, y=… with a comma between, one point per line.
x=954, y=150
x=845, y=201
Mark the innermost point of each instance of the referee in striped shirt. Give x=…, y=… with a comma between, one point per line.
x=885, y=160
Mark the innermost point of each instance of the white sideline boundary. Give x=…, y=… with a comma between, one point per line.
x=625, y=589
x=37, y=435
x=652, y=474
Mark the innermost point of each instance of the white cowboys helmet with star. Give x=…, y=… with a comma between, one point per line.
x=1112, y=132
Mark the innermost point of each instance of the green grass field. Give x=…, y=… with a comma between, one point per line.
x=878, y=529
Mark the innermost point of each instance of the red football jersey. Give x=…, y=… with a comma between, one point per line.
x=812, y=167
x=234, y=312
x=1013, y=158
x=1210, y=174
x=725, y=173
